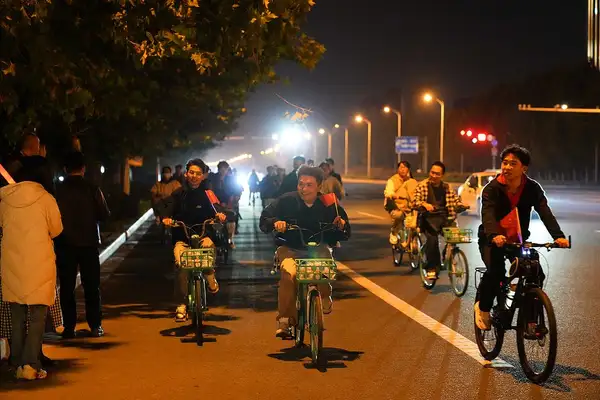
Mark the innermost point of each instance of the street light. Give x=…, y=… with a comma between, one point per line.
x=388, y=110
x=322, y=131
x=428, y=98
x=359, y=118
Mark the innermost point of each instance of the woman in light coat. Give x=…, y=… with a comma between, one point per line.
x=30, y=219
x=398, y=193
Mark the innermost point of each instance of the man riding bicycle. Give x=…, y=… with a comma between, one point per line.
x=440, y=201
x=191, y=205
x=305, y=209
x=511, y=190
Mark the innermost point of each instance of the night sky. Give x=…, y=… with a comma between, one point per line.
x=458, y=48
x=390, y=51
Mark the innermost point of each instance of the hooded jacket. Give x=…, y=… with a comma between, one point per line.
x=30, y=219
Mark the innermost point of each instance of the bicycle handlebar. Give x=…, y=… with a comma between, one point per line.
x=529, y=245
x=294, y=227
x=187, y=228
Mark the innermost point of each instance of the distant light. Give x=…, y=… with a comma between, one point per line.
x=494, y=143
x=462, y=133
x=482, y=137
x=336, y=126
x=249, y=155
x=277, y=147
x=490, y=138
x=564, y=106
x=386, y=109
x=275, y=136
x=262, y=152
x=469, y=133
x=474, y=140
x=102, y=169
x=428, y=97
x=60, y=178
x=307, y=136
x=359, y=118
x=322, y=131
x=268, y=151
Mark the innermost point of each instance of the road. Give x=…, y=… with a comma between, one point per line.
x=387, y=337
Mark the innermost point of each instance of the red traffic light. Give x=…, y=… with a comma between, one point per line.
x=482, y=137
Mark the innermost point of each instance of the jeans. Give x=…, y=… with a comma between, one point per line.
x=397, y=221
x=26, y=345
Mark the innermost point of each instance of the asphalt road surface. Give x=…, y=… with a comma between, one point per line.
x=387, y=337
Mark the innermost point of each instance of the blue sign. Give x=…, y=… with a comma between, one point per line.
x=407, y=145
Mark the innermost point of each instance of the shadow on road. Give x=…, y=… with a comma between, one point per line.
x=335, y=357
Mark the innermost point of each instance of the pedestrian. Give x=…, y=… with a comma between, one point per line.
x=82, y=206
x=30, y=219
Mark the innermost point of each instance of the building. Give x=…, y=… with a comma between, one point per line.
x=593, y=44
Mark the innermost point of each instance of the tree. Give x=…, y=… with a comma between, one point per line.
x=139, y=77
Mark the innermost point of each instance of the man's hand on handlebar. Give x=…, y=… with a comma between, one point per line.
x=168, y=221
x=499, y=240
x=562, y=242
x=339, y=223
x=221, y=217
x=280, y=226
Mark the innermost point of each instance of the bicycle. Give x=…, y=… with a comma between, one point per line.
x=411, y=235
x=530, y=299
x=310, y=272
x=196, y=261
x=454, y=259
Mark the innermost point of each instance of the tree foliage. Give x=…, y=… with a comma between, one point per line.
x=135, y=77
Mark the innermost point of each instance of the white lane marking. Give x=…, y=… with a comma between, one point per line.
x=371, y=215
x=452, y=337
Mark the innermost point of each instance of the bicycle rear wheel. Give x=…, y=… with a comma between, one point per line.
x=198, y=309
x=315, y=327
x=459, y=273
x=535, y=329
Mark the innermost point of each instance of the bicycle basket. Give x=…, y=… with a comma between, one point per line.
x=410, y=221
x=198, y=259
x=457, y=235
x=315, y=269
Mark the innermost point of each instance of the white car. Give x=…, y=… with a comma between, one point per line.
x=470, y=191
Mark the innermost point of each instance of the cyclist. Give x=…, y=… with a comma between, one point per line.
x=190, y=204
x=253, y=185
x=433, y=194
x=305, y=209
x=399, y=192
x=511, y=189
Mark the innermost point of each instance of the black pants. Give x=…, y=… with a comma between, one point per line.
x=69, y=258
x=494, y=259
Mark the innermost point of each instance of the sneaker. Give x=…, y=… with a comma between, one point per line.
x=98, y=332
x=393, y=239
x=284, y=331
x=482, y=318
x=213, y=286
x=181, y=313
x=327, y=305
x=431, y=274
x=27, y=372
x=69, y=333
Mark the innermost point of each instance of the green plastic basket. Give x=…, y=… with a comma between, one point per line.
x=457, y=235
x=198, y=259
x=315, y=270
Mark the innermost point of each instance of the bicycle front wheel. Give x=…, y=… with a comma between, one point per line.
x=300, y=325
x=414, y=248
x=489, y=342
x=422, y=260
x=536, y=332
x=198, y=309
x=459, y=273
x=315, y=327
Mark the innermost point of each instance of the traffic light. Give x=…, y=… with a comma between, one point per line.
x=482, y=137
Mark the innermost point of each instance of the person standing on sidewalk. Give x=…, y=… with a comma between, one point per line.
x=30, y=219
x=82, y=205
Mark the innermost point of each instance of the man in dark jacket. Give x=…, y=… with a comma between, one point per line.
x=191, y=205
x=306, y=209
x=82, y=207
x=290, y=182
x=511, y=189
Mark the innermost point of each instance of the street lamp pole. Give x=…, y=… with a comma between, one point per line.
x=359, y=119
x=399, y=115
x=429, y=98
x=346, y=151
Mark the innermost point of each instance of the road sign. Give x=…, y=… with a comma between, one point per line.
x=407, y=145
